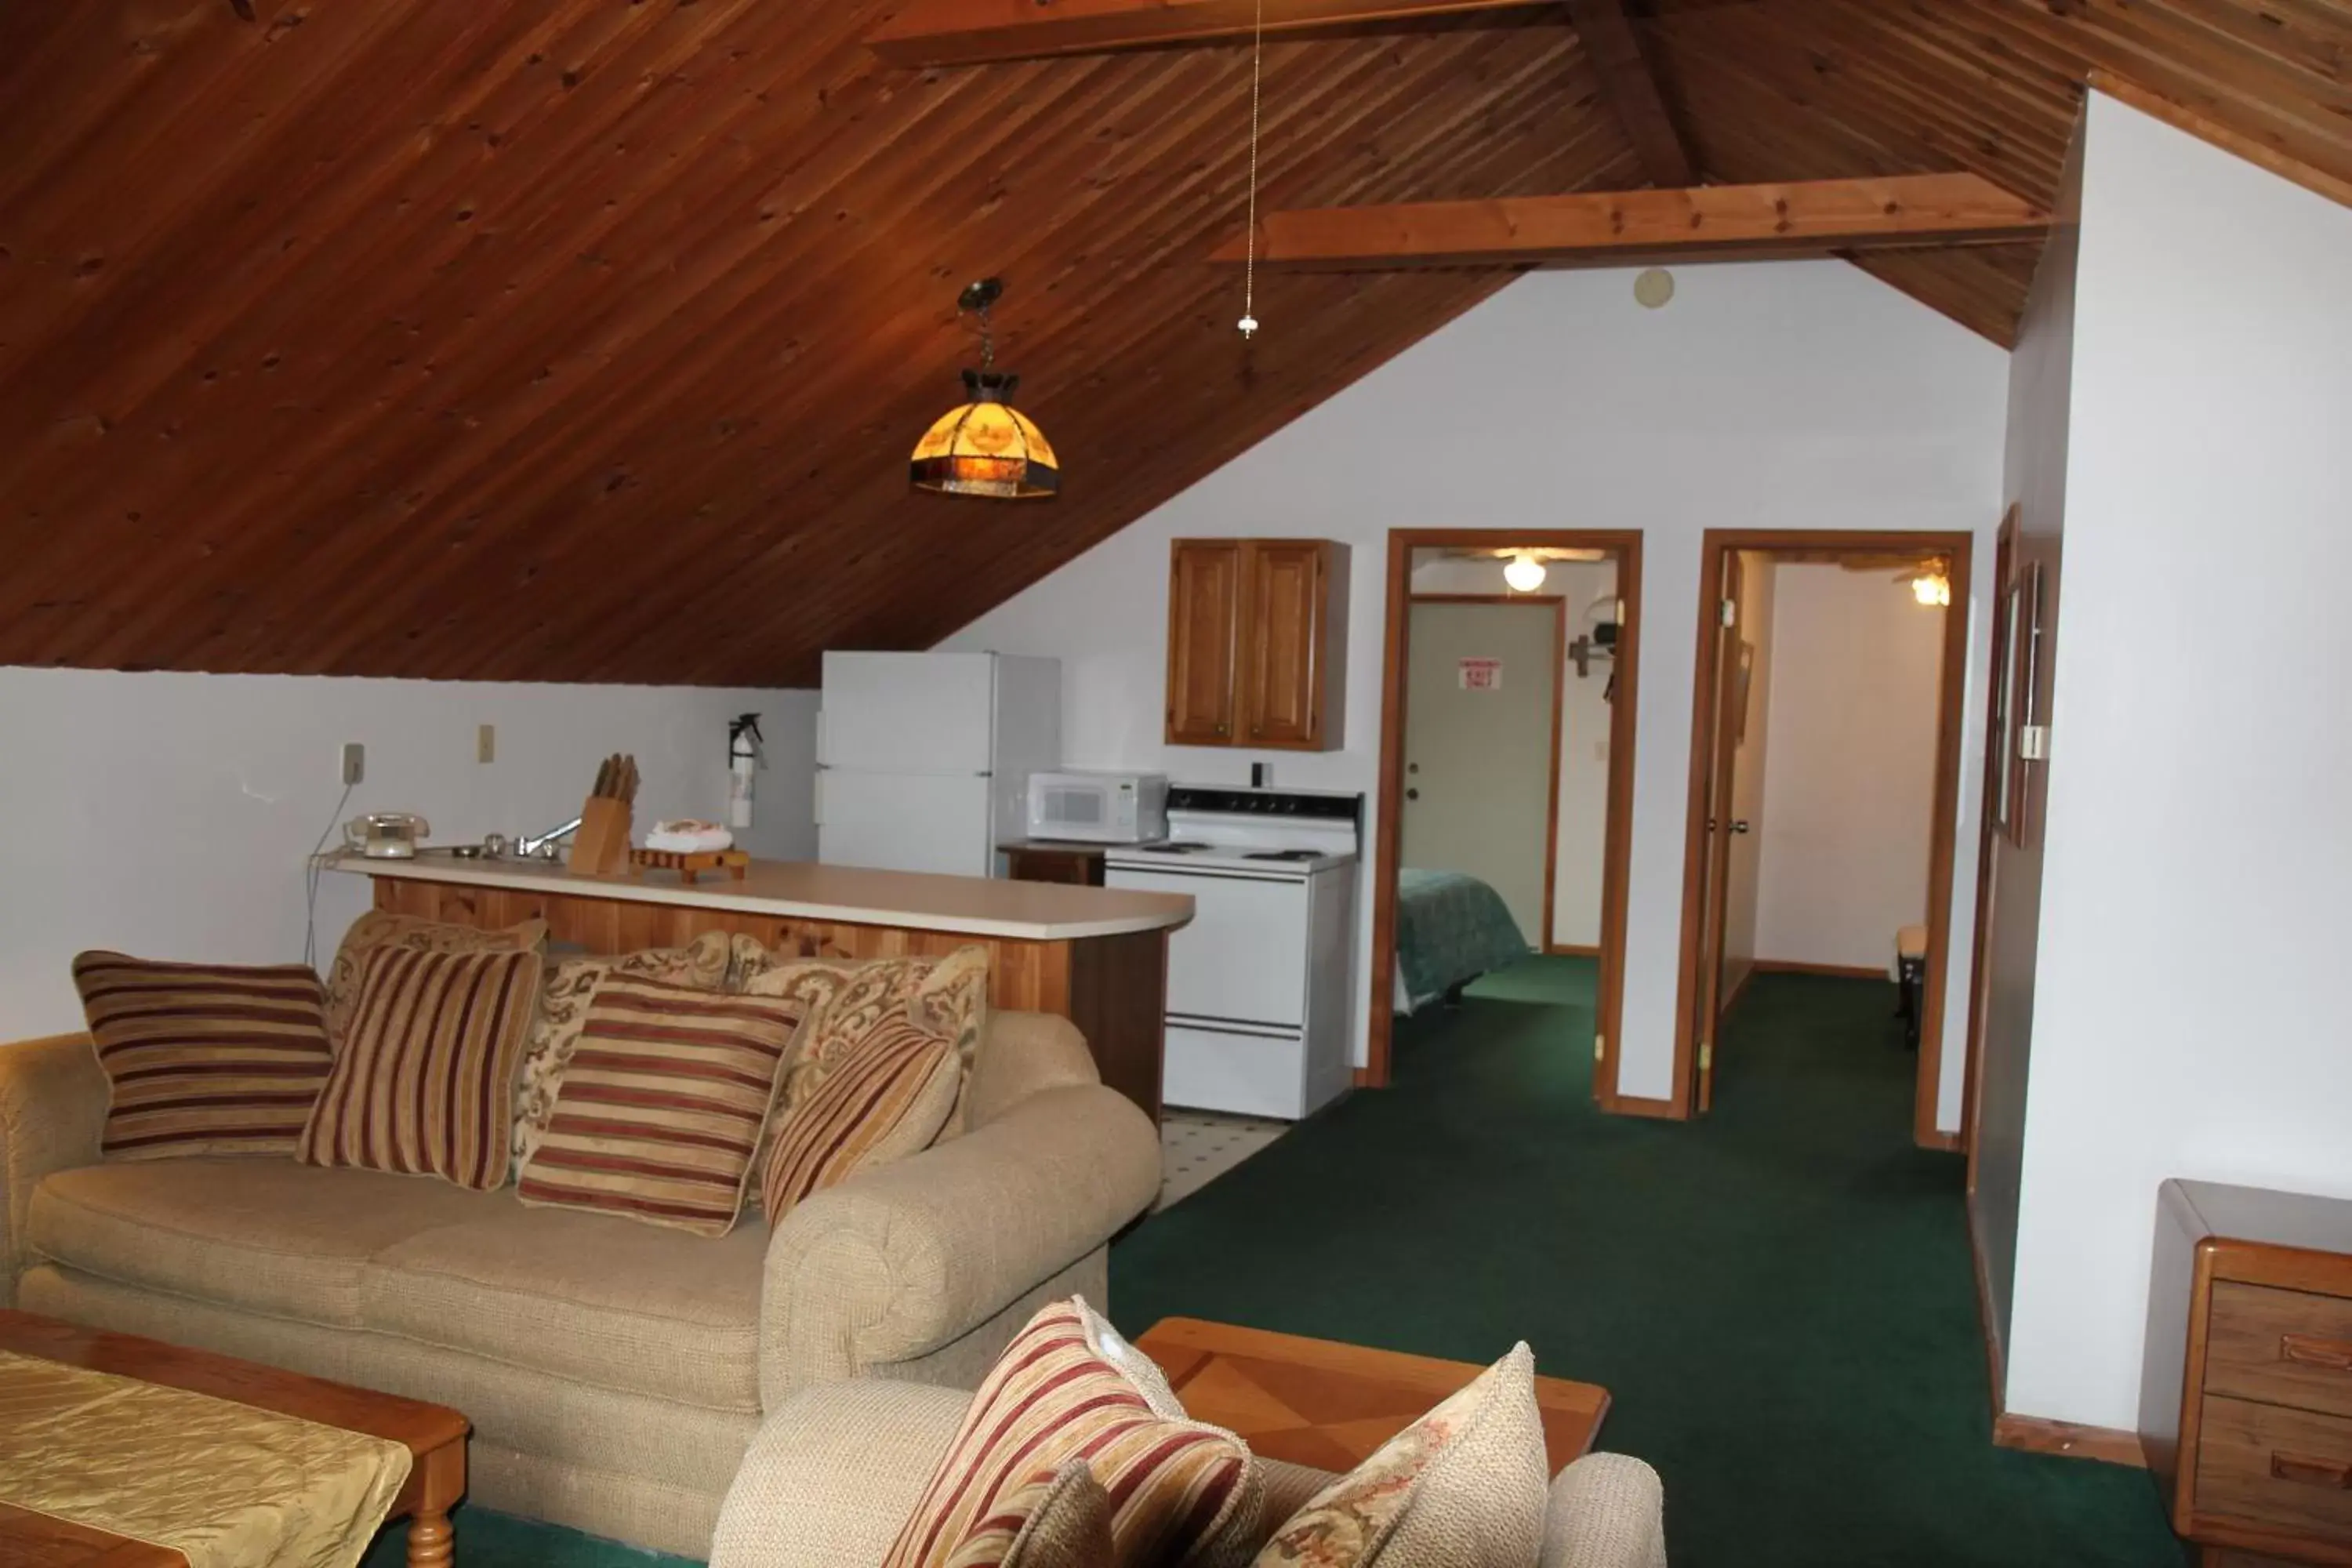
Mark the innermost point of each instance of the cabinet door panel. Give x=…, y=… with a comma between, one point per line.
x=1204, y=593
x=1282, y=645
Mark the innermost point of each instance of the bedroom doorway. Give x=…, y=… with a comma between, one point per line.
x=1505, y=788
x=1824, y=783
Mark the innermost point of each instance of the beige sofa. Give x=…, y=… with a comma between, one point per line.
x=614, y=1372
x=836, y=1470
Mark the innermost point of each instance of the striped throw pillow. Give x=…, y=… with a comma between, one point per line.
x=884, y=1100
x=204, y=1058
x=1182, y=1493
x=423, y=1082
x=662, y=1105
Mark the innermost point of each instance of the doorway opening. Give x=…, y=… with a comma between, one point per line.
x=1506, y=779
x=1824, y=782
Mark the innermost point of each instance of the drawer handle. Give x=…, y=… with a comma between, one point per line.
x=2311, y=1472
x=2310, y=1350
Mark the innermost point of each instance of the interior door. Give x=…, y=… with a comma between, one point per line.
x=1282, y=640
x=1481, y=685
x=1723, y=672
x=1204, y=590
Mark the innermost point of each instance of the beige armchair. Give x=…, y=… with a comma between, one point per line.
x=836, y=1471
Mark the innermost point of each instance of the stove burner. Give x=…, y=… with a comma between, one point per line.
x=1284, y=855
x=1177, y=846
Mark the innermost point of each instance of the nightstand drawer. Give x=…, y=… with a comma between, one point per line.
x=2288, y=1470
x=2281, y=1347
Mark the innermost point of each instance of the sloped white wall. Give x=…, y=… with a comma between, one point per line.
x=2188, y=1007
x=170, y=814
x=1790, y=394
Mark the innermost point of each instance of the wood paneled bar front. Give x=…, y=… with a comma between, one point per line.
x=1097, y=956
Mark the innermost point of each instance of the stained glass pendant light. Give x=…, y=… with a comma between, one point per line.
x=984, y=445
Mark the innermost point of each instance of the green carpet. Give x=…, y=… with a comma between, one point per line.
x=1779, y=1298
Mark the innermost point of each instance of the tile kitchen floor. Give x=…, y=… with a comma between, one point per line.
x=1196, y=1147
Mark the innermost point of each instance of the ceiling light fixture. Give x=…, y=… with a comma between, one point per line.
x=1525, y=574
x=984, y=445
x=1931, y=587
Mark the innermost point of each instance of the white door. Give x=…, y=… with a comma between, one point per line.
x=904, y=822
x=1244, y=958
x=908, y=713
x=1480, y=691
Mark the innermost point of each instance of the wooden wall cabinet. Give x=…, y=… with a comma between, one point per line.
x=2246, y=1392
x=1257, y=643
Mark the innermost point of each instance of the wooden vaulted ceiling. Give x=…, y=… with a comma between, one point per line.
x=586, y=340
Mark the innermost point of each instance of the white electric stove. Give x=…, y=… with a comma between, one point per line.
x=1258, y=982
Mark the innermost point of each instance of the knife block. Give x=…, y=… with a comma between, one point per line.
x=601, y=845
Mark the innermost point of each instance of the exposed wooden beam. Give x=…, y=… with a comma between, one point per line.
x=1632, y=90
x=964, y=32
x=1614, y=228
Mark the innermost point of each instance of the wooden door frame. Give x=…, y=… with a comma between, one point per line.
x=1624, y=547
x=1958, y=550
x=1558, y=603
x=2004, y=566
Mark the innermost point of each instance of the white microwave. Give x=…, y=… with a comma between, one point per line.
x=1099, y=808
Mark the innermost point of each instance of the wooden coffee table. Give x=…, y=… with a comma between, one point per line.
x=1330, y=1405
x=435, y=1437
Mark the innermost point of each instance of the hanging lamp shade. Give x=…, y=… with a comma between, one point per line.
x=985, y=446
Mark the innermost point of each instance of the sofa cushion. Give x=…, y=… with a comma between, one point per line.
x=624, y=1306
x=380, y=928
x=204, y=1058
x=268, y=1236
x=884, y=1101
x=423, y=1082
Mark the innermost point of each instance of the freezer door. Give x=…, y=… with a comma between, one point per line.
x=908, y=713
x=904, y=822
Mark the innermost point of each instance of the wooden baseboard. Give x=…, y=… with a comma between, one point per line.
x=1949, y=1143
x=1572, y=950
x=1638, y=1105
x=1839, y=971
x=2033, y=1435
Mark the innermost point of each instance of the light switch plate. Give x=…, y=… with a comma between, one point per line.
x=355, y=763
x=486, y=743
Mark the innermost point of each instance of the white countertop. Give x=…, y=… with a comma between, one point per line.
x=912, y=901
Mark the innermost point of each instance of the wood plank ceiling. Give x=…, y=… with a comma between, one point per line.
x=585, y=340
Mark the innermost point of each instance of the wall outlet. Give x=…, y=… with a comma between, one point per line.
x=355, y=763
x=485, y=742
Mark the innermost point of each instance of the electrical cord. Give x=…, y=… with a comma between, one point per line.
x=311, y=872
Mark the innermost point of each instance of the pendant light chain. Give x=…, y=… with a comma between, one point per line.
x=1248, y=322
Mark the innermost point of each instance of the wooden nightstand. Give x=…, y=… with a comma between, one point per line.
x=2246, y=1395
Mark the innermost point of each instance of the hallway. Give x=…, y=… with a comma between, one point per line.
x=1779, y=1298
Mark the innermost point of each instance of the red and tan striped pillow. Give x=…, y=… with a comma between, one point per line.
x=884, y=1099
x=204, y=1058
x=1182, y=1493
x=662, y=1104
x=423, y=1082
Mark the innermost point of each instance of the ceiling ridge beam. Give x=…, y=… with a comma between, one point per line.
x=1616, y=228
x=967, y=32
x=1629, y=83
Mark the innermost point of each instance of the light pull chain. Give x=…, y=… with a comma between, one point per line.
x=1248, y=323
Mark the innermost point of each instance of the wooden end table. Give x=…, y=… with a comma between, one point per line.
x=434, y=1436
x=1331, y=1406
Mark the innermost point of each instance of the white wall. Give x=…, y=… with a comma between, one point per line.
x=1790, y=394
x=170, y=814
x=2187, y=1014
x=1849, y=770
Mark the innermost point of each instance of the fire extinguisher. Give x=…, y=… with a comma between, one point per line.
x=742, y=761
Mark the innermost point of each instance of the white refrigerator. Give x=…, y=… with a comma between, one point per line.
x=923, y=758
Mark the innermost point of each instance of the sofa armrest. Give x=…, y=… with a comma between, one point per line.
x=897, y=1261
x=53, y=1100
x=1606, y=1510
x=834, y=1474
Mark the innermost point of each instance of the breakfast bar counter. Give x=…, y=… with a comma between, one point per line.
x=1094, y=955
